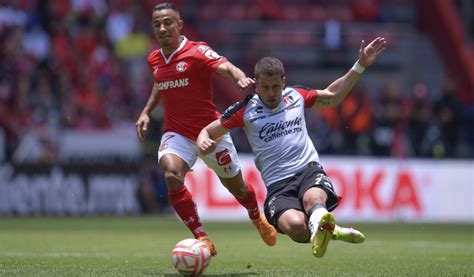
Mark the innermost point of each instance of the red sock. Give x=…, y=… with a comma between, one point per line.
x=250, y=203
x=183, y=203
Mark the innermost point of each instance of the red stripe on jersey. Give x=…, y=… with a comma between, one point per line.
x=309, y=96
x=235, y=119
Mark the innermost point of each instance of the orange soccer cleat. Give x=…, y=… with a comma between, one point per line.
x=267, y=231
x=210, y=245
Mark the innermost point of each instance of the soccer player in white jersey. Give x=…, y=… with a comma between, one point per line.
x=300, y=196
x=183, y=71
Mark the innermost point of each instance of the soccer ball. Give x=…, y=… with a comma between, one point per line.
x=191, y=257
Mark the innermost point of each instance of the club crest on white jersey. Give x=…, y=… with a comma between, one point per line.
x=278, y=137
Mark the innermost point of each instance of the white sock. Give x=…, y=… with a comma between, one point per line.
x=315, y=217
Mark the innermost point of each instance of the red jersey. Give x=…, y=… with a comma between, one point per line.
x=184, y=79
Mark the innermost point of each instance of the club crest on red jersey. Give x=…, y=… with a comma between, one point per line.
x=223, y=157
x=181, y=66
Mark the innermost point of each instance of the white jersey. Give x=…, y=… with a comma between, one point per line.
x=278, y=137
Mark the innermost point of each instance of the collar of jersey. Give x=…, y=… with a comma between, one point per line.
x=277, y=108
x=181, y=45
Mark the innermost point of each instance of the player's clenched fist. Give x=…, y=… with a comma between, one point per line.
x=206, y=146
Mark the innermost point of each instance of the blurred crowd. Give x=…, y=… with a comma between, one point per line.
x=393, y=123
x=397, y=124
x=72, y=65
x=81, y=65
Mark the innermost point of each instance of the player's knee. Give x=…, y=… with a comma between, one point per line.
x=296, y=228
x=300, y=235
x=174, y=179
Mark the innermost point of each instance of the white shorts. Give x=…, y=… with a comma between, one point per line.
x=224, y=160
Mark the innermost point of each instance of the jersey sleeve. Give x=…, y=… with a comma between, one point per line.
x=210, y=59
x=152, y=60
x=233, y=117
x=309, y=95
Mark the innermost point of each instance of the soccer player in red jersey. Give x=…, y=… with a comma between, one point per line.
x=183, y=71
x=300, y=196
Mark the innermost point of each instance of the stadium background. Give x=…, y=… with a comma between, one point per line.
x=73, y=79
x=400, y=148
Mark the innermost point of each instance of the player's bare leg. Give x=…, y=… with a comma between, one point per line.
x=293, y=223
x=245, y=195
x=180, y=198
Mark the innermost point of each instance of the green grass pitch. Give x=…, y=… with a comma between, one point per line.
x=141, y=246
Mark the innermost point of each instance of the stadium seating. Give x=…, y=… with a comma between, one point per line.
x=88, y=77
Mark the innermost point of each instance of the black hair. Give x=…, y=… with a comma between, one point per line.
x=166, y=6
x=269, y=66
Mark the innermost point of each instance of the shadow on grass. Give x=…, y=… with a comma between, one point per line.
x=227, y=274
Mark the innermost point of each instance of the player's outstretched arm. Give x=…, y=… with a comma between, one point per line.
x=143, y=120
x=206, y=141
x=337, y=90
x=233, y=73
